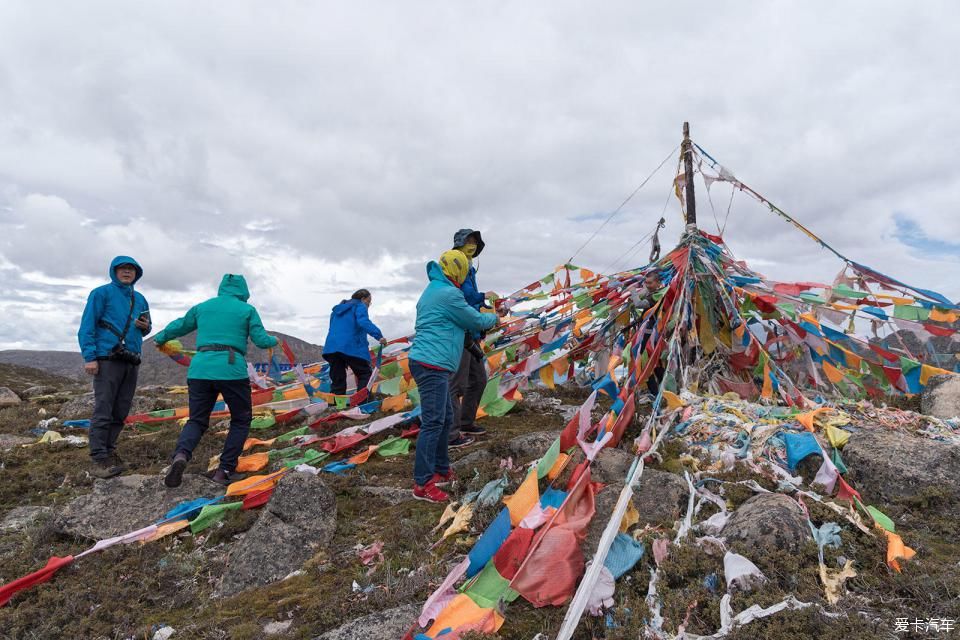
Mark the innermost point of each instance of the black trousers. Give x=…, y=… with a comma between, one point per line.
x=466, y=389
x=338, y=371
x=656, y=376
x=203, y=396
x=113, y=389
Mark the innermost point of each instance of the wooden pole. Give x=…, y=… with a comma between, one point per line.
x=686, y=150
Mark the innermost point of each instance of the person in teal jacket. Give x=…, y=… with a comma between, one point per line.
x=224, y=325
x=443, y=316
x=114, y=322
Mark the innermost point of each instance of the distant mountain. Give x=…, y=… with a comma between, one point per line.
x=67, y=364
x=156, y=368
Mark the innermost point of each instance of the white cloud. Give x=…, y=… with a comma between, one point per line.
x=319, y=147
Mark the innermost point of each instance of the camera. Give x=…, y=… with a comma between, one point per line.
x=120, y=353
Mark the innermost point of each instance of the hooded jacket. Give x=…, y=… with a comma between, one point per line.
x=442, y=318
x=349, y=327
x=110, y=304
x=225, y=320
x=471, y=292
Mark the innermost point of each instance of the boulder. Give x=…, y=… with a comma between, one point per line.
x=9, y=441
x=604, y=502
x=941, y=397
x=299, y=521
x=612, y=465
x=77, y=408
x=22, y=518
x=82, y=406
x=531, y=446
x=768, y=521
x=127, y=503
x=533, y=401
x=661, y=497
x=391, y=623
x=469, y=461
x=887, y=465
x=8, y=398
x=39, y=390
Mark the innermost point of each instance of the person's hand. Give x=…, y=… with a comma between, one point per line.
x=142, y=324
x=91, y=368
x=382, y=341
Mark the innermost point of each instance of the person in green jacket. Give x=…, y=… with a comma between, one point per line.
x=223, y=325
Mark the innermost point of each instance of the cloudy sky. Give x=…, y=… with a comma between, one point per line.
x=318, y=147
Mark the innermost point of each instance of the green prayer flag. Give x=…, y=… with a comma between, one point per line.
x=909, y=312
x=548, y=459
x=311, y=456
x=844, y=291
x=290, y=435
x=491, y=392
x=212, y=513
x=341, y=401
x=390, y=387
x=394, y=446
x=278, y=454
x=487, y=588
x=881, y=519
x=414, y=395
x=390, y=370
x=838, y=461
x=262, y=422
x=498, y=407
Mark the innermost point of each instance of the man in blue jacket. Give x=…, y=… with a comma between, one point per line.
x=111, y=333
x=442, y=318
x=346, y=343
x=467, y=385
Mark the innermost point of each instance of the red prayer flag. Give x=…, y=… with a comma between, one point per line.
x=287, y=351
x=257, y=499
x=37, y=577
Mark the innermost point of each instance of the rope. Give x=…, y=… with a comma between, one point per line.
x=623, y=204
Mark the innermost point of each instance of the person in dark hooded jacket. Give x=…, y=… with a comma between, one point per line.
x=470, y=379
x=114, y=322
x=346, y=343
x=223, y=324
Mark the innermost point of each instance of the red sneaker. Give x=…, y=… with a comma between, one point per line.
x=443, y=479
x=430, y=493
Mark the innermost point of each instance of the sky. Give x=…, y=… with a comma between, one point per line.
x=320, y=147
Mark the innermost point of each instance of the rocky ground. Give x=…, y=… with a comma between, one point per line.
x=293, y=568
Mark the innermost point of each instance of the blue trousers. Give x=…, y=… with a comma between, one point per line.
x=203, y=396
x=436, y=419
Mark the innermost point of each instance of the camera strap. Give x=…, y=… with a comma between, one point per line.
x=122, y=335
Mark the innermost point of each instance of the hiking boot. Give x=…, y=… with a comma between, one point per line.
x=430, y=493
x=461, y=441
x=473, y=430
x=104, y=469
x=118, y=462
x=175, y=473
x=225, y=478
x=444, y=479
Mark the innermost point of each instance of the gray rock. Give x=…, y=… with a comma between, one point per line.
x=77, y=408
x=530, y=446
x=471, y=460
x=604, y=502
x=299, y=521
x=661, y=497
x=390, y=495
x=768, y=521
x=82, y=406
x=9, y=441
x=8, y=398
x=536, y=402
x=392, y=623
x=941, y=397
x=612, y=465
x=22, y=518
x=126, y=503
x=275, y=627
x=39, y=390
x=887, y=465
